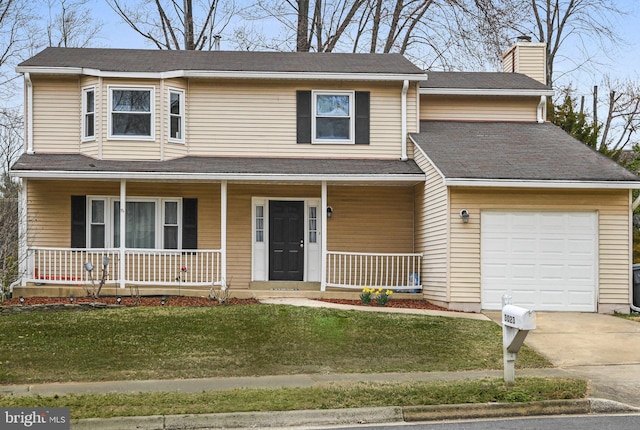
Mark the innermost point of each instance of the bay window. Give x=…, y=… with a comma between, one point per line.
x=131, y=113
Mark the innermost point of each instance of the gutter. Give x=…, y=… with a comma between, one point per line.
x=29, y=84
x=403, y=103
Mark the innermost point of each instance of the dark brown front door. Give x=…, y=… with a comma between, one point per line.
x=286, y=241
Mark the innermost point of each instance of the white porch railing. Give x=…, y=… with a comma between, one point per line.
x=142, y=266
x=357, y=270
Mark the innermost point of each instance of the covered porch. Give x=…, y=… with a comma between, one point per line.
x=245, y=231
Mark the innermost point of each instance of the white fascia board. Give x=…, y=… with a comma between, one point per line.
x=511, y=183
x=485, y=92
x=164, y=176
x=222, y=74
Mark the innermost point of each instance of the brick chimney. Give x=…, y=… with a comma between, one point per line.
x=528, y=58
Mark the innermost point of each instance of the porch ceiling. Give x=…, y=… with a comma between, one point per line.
x=77, y=166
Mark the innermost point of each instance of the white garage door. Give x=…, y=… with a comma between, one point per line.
x=544, y=260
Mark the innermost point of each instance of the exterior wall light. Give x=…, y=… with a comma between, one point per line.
x=329, y=211
x=464, y=214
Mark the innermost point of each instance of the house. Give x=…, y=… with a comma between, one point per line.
x=318, y=172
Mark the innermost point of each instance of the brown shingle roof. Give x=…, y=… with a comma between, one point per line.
x=513, y=151
x=481, y=81
x=147, y=60
x=219, y=165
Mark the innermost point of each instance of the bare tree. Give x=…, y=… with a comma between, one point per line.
x=70, y=24
x=622, y=117
x=174, y=24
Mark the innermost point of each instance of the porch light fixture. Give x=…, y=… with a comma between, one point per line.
x=464, y=214
x=329, y=211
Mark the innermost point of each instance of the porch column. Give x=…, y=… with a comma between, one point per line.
x=123, y=230
x=223, y=231
x=323, y=237
x=24, y=260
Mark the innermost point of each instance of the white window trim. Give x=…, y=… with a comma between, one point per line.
x=182, y=115
x=352, y=117
x=159, y=221
x=85, y=90
x=152, y=103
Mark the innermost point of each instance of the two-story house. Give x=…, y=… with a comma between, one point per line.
x=290, y=172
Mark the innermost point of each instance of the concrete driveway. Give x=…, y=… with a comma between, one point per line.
x=602, y=348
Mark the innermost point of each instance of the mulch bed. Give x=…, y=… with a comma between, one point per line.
x=393, y=303
x=128, y=301
x=199, y=302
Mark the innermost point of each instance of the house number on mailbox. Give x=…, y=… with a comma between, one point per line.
x=509, y=319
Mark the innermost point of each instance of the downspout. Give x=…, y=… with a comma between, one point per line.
x=403, y=102
x=27, y=79
x=542, y=110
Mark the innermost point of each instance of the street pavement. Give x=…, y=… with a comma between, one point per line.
x=601, y=348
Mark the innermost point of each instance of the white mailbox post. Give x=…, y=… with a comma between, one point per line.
x=516, y=323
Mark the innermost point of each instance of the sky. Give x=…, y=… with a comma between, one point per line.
x=621, y=63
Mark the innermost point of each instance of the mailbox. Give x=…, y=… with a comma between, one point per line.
x=516, y=323
x=517, y=317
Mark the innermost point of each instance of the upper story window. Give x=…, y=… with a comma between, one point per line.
x=333, y=117
x=176, y=116
x=131, y=113
x=88, y=113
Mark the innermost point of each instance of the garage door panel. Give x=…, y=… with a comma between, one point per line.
x=544, y=260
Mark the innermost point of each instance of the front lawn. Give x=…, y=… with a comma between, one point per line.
x=182, y=342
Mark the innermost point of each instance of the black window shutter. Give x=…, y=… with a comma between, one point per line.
x=78, y=221
x=189, y=223
x=362, y=117
x=303, y=109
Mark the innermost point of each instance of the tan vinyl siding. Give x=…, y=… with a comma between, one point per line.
x=249, y=118
x=371, y=219
x=478, y=108
x=91, y=147
x=613, y=234
x=432, y=231
x=56, y=113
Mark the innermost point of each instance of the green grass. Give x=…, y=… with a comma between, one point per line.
x=179, y=342
x=324, y=397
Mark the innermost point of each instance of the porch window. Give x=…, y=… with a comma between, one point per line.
x=176, y=116
x=171, y=225
x=313, y=224
x=140, y=225
x=97, y=233
x=130, y=113
x=88, y=113
x=151, y=223
x=333, y=117
x=259, y=223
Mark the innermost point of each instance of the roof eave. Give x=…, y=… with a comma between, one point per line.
x=486, y=92
x=266, y=177
x=525, y=183
x=354, y=76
